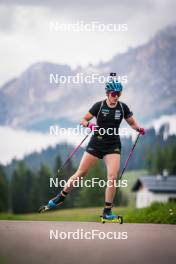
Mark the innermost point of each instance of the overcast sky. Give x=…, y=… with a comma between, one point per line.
x=26, y=38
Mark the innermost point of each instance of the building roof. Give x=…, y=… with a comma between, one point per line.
x=156, y=183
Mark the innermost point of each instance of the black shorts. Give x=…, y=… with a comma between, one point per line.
x=99, y=148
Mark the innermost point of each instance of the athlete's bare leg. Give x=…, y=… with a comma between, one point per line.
x=112, y=162
x=87, y=162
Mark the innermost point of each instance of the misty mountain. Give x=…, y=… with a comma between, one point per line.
x=151, y=71
x=30, y=101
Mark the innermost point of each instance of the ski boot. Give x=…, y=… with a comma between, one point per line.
x=111, y=218
x=52, y=204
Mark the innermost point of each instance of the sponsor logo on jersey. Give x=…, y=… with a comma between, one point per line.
x=105, y=111
x=117, y=115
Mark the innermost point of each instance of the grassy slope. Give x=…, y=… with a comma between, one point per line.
x=157, y=213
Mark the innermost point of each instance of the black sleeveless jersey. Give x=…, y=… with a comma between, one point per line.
x=109, y=119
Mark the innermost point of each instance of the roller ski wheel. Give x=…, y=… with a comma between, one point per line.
x=118, y=219
x=43, y=209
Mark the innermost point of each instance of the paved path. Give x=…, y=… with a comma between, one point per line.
x=29, y=242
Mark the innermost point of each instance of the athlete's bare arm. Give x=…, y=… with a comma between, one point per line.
x=132, y=123
x=86, y=119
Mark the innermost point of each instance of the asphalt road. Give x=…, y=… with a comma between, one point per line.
x=55, y=242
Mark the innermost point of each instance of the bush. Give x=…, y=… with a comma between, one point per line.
x=160, y=213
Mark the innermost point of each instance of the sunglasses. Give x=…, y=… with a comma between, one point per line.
x=114, y=94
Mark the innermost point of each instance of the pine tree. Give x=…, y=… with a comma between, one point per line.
x=170, y=159
x=160, y=160
x=21, y=185
x=44, y=189
x=149, y=160
x=3, y=191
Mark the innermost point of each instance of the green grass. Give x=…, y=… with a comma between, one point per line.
x=156, y=213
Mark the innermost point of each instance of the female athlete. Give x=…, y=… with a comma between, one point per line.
x=106, y=145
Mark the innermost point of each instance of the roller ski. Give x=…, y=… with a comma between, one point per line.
x=53, y=203
x=111, y=218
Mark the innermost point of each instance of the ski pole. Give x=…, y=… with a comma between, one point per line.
x=72, y=153
x=129, y=156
